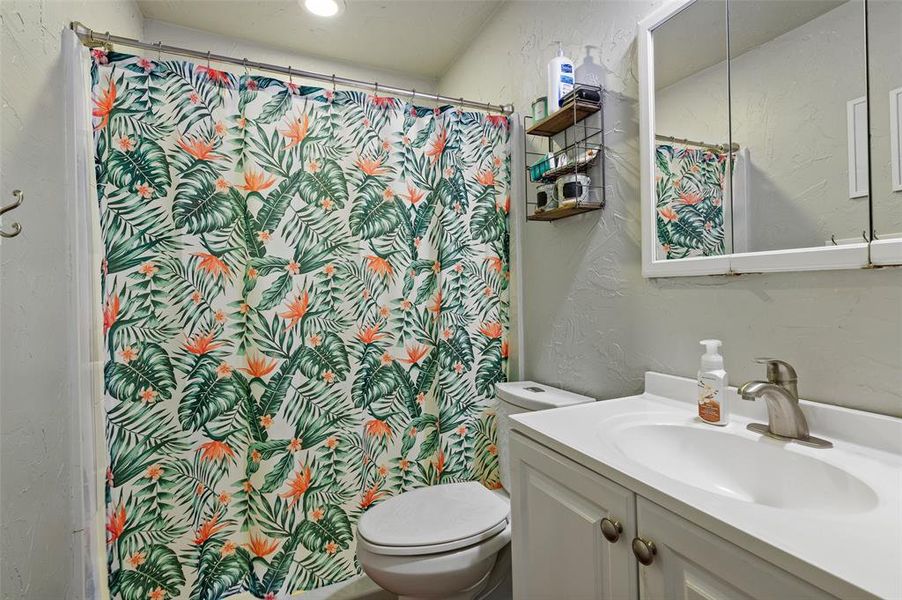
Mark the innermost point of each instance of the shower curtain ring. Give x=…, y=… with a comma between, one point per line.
x=375, y=89
x=159, y=51
x=413, y=95
x=244, y=63
x=333, y=83
x=833, y=238
x=290, y=80
x=208, y=60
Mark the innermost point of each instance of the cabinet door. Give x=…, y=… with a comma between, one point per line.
x=694, y=564
x=559, y=550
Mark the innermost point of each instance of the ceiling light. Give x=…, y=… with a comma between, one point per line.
x=323, y=8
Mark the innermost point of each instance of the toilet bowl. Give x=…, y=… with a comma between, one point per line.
x=452, y=541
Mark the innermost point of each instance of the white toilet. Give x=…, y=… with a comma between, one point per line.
x=453, y=540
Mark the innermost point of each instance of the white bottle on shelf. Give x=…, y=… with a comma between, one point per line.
x=712, y=383
x=560, y=79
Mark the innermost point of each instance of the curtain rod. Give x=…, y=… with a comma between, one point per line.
x=734, y=147
x=94, y=39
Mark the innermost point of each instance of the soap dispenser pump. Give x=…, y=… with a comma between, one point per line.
x=560, y=79
x=712, y=385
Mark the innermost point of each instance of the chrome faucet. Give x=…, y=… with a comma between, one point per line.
x=785, y=418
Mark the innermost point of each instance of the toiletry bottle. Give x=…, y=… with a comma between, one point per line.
x=712, y=385
x=560, y=79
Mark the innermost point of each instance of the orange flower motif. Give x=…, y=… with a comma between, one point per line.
x=220, y=316
x=201, y=344
x=486, y=178
x=264, y=236
x=228, y=548
x=403, y=464
x=504, y=349
x=297, y=486
x=256, y=182
x=370, y=496
x=369, y=335
x=668, y=214
x=262, y=547
x=328, y=377
x=125, y=143
x=377, y=428
x=379, y=266
x=332, y=443
x=115, y=524
x=505, y=206
x=439, y=462
x=110, y=313
x=312, y=167
x=104, y=106
x=438, y=146
x=294, y=445
x=256, y=456
x=198, y=148
x=208, y=530
x=386, y=359
x=128, y=354
x=154, y=472
x=496, y=264
x=331, y=547
x=137, y=559
x=415, y=353
x=211, y=264
x=293, y=268
x=413, y=195
x=316, y=514
x=388, y=194
x=248, y=487
x=690, y=198
x=329, y=270
x=215, y=450
x=148, y=269
x=296, y=132
x=224, y=498
x=257, y=366
x=156, y=593
x=491, y=330
x=296, y=310
x=371, y=167
x=148, y=395
x=224, y=370
x=436, y=305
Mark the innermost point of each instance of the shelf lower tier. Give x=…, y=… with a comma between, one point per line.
x=562, y=213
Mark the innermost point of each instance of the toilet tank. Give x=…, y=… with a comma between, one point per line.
x=525, y=396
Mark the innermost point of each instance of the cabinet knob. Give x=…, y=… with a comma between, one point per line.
x=611, y=529
x=644, y=550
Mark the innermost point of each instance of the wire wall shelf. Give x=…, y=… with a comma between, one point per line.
x=575, y=149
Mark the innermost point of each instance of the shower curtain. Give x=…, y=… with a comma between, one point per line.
x=305, y=311
x=689, y=187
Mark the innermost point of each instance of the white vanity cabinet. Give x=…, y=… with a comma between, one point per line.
x=560, y=549
x=694, y=564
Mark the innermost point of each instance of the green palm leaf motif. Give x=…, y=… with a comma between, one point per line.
x=160, y=569
x=146, y=369
x=305, y=305
x=372, y=215
x=146, y=165
x=333, y=526
x=324, y=180
x=200, y=206
x=208, y=394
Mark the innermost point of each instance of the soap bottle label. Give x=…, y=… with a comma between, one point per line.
x=709, y=398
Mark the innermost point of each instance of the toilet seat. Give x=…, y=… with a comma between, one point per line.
x=433, y=520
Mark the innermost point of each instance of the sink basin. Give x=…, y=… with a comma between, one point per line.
x=732, y=464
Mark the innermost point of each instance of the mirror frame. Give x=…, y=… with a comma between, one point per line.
x=846, y=256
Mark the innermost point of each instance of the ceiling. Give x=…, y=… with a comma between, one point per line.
x=415, y=37
x=752, y=23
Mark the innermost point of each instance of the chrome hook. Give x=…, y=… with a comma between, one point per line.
x=244, y=64
x=17, y=229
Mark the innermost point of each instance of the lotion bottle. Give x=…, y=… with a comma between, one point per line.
x=560, y=79
x=712, y=385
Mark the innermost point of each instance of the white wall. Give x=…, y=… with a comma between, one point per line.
x=196, y=39
x=593, y=324
x=39, y=544
x=788, y=107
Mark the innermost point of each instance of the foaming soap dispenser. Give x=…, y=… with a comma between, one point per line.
x=712, y=382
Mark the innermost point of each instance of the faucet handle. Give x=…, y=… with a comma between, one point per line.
x=779, y=372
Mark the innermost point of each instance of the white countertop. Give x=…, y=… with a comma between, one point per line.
x=844, y=554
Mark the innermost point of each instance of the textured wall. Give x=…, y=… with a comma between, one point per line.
x=789, y=109
x=40, y=548
x=593, y=324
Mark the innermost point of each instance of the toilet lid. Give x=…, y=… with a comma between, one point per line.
x=433, y=519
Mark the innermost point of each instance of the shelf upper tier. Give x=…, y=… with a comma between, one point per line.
x=566, y=116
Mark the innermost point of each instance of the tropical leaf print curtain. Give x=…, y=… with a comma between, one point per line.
x=305, y=312
x=689, y=185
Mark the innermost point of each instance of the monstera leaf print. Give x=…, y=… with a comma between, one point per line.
x=202, y=206
x=157, y=573
x=305, y=312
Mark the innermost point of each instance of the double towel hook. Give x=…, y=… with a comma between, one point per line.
x=17, y=229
